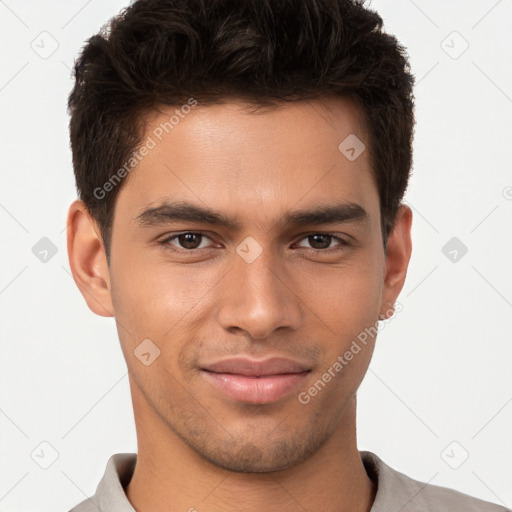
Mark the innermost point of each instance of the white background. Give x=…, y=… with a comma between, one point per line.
x=441, y=369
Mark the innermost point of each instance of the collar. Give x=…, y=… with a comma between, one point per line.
x=395, y=491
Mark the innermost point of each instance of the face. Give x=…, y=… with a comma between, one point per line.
x=249, y=307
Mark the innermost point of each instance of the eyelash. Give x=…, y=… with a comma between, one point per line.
x=167, y=246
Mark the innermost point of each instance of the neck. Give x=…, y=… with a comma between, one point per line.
x=169, y=475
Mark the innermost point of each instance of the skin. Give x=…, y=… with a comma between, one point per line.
x=196, y=447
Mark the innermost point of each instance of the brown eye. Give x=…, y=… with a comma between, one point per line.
x=322, y=241
x=188, y=241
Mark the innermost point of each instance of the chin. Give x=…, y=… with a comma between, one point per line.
x=260, y=456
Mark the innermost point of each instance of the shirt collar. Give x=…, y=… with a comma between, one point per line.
x=393, y=488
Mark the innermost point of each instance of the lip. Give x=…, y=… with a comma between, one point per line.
x=255, y=381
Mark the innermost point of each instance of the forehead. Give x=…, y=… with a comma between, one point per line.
x=232, y=158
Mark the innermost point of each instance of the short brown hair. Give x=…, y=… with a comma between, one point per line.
x=163, y=52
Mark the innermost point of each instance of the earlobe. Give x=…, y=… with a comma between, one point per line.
x=398, y=254
x=87, y=259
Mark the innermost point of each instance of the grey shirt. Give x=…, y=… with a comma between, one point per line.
x=396, y=492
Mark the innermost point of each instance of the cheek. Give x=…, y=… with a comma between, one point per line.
x=151, y=296
x=347, y=302
x=345, y=297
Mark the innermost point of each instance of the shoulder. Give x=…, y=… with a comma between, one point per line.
x=110, y=493
x=85, y=506
x=398, y=491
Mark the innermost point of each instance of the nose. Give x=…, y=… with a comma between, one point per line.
x=258, y=297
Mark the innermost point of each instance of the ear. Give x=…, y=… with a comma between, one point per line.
x=398, y=254
x=87, y=259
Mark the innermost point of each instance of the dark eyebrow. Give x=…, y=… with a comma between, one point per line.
x=343, y=212
x=182, y=211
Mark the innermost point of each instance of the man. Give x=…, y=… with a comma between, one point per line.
x=240, y=167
